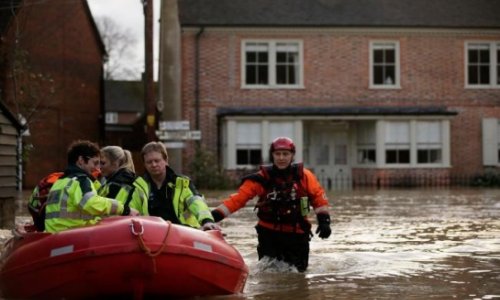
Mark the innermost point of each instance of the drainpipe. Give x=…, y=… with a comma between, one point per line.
x=197, y=79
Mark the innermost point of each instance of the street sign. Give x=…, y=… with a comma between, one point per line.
x=175, y=145
x=174, y=125
x=178, y=135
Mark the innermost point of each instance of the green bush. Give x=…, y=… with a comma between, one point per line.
x=490, y=178
x=206, y=172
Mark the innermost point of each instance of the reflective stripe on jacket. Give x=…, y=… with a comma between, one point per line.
x=139, y=196
x=74, y=202
x=191, y=209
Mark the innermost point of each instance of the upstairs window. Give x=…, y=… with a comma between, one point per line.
x=272, y=64
x=483, y=64
x=384, y=65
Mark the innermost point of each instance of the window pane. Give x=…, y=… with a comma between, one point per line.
x=277, y=129
x=281, y=75
x=397, y=132
x=263, y=75
x=429, y=132
x=248, y=133
x=251, y=57
x=378, y=56
x=251, y=75
x=384, y=64
x=242, y=157
x=484, y=56
x=484, y=75
x=404, y=156
x=435, y=156
x=255, y=157
x=281, y=57
x=366, y=156
x=287, y=59
x=390, y=157
x=256, y=64
x=479, y=63
x=323, y=155
x=340, y=154
x=390, y=56
x=263, y=57
x=473, y=56
x=473, y=75
x=390, y=74
x=378, y=75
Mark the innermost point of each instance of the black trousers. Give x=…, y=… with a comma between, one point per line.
x=292, y=248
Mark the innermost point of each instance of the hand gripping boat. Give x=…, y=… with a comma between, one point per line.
x=121, y=257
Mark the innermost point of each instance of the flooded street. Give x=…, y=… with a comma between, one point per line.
x=389, y=244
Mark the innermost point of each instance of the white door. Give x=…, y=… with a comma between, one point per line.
x=328, y=157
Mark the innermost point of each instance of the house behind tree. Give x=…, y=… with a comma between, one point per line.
x=375, y=92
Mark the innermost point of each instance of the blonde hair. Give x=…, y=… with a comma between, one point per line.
x=122, y=156
x=155, y=147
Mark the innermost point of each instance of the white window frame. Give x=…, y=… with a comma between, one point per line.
x=272, y=49
x=494, y=64
x=241, y=142
x=398, y=145
x=375, y=45
x=111, y=117
x=366, y=141
x=491, y=141
x=267, y=136
x=380, y=140
x=427, y=144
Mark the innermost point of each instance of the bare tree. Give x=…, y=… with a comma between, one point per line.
x=119, y=43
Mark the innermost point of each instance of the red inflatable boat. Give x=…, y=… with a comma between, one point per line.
x=125, y=257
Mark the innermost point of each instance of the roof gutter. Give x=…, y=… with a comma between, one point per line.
x=197, y=78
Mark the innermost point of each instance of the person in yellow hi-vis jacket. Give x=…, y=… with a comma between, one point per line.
x=73, y=200
x=120, y=180
x=173, y=197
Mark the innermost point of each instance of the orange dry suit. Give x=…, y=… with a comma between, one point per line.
x=284, y=198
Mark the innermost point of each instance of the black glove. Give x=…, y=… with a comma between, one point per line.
x=323, y=229
x=218, y=216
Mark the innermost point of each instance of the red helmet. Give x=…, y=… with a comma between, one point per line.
x=282, y=143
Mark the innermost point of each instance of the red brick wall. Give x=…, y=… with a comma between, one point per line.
x=336, y=73
x=62, y=43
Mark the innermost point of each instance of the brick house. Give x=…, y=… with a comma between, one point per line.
x=375, y=92
x=51, y=73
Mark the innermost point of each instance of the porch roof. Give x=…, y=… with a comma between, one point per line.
x=337, y=111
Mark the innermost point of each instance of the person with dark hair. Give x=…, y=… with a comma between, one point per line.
x=173, y=197
x=285, y=192
x=73, y=200
x=120, y=180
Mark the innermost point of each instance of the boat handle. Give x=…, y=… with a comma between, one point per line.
x=133, y=227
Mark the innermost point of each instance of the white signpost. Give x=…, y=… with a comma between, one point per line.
x=173, y=133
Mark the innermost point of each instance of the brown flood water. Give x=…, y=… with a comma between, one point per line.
x=386, y=244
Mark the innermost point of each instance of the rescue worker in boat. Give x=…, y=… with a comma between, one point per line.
x=121, y=182
x=73, y=200
x=173, y=197
x=285, y=192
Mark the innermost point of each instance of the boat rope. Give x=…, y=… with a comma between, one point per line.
x=138, y=230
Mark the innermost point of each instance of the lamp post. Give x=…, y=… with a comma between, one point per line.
x=149, y=95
